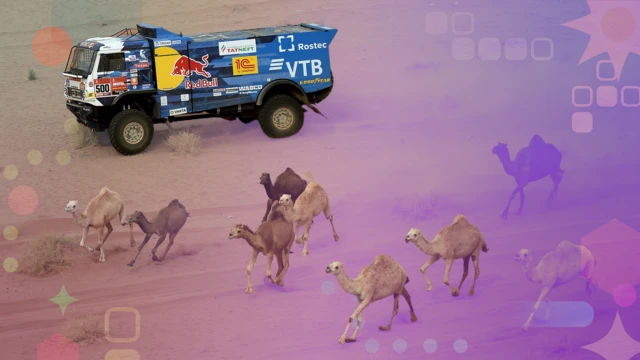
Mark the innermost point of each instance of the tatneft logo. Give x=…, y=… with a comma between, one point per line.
x=287, y=43
x=293, y=66
x=237, y=47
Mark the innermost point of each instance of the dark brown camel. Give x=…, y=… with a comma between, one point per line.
x=168, y=221
x=286, y=183
x=532, y=163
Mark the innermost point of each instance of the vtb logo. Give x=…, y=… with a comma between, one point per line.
x=285, y=39
x=244, y=65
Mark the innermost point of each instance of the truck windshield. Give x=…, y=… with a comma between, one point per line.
x=80, y=61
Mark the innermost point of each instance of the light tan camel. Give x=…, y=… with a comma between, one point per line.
x=98, y=214
x=273, y=237
x=460, y=239
x=380, y=279
x=309, y=204
x=559, y=266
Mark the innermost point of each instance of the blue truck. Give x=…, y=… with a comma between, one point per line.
x=127, y=82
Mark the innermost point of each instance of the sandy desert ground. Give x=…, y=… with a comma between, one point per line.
x=407, y=144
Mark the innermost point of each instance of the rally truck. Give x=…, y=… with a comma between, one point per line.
x=131, y=80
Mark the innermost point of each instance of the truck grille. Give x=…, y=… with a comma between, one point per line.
x=74, y=92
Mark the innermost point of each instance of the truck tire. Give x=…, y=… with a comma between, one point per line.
x=281, y=116
x=130, y=132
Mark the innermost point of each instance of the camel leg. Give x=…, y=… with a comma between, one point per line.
x=100, y=240
x=305, y=237
x=396, y=299
x=85, y=232
x=447, y=269
x=352, y=338
x=269, y=262
x=254, y=257
x=104, y=239
x=266, y=214
x=285, y=258
x=355, y=314
x=131, y=239
x=543, y=294
x=407, y=297
x=557, y=177
x=155, y=248
x=476, y=274
x=424, y=267
x=327, y=214
x=280, y=276
x=295, y=231
x=519, y=212
x=144, y=242
x=172, y=237
x=511, y=197
x=465, y=268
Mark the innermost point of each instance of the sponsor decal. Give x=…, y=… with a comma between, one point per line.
x=237, y=47
x=67, y=82
x=315, y=81
x=134, y=80
x=162, y=43
x=90, y=95
x=217, y=92
x=87, y=44
x=185, y=66
x=233, y=90
x=308, y=66
x=119, y=84
x=312, y=46
x=184, y=97
x=146, y=86
x=141, y=65
x=176, y=42
x=131, y=58
x=288, y=40
x=250, y=89
x=109, y=86
x=179, y=111
x=163, y=101
x=142, y=54
x=133, y=71
x=201, y=84
x=245, y=65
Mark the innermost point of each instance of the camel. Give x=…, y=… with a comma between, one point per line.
x=273, y=237
x=310, y=204
x=169, y=220
x=460, y=239
x=532, y=163
x=380, y=279
x=286, y=183
x=98, y=214
x=559, y=266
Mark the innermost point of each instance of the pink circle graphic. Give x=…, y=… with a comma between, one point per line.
x=23, y=200
x=624, y=295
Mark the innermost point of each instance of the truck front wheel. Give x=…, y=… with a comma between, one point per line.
x=281, y=116
x=130, y=132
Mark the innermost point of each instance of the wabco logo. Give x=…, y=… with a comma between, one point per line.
x=316, y=66
x=287, y=43
x=237, y=47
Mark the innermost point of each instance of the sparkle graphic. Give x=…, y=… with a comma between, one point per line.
x=614, y=27
x=63, y=299
x=617, y=344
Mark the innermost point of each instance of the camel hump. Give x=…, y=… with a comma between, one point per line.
x=536, y=140
x=459, y=218
x=103, y=191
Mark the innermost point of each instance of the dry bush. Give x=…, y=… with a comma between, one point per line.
x=84, y=330
x=82, y=136
x=47, y=254
x=184, y=143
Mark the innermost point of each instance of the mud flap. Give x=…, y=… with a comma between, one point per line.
x=304, y=100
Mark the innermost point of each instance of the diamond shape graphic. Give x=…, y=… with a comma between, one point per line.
x=616, y=249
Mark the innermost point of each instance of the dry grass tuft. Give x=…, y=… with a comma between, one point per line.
x=183, y=250
x=184, y=143
x=82, y=136
x=47, y=254
x=84, y=330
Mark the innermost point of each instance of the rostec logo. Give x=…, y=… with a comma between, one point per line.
x=245, y=65
x=293, y=67
x=185, y=65
x=287, y=38
x=237, y=47
x=312, y=46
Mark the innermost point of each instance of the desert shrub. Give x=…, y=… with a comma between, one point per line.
x=32, y=75
x=184, y=143
x=84, y=329
x=47, y=254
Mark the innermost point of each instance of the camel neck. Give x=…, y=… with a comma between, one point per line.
x=507, y=163
x=271, y=192
x=146, y=226
x=254, y=241
x=349, y=285
x=426, y=246
x=529, y=271
x=80, y=218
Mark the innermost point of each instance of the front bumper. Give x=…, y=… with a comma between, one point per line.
x=88, y=115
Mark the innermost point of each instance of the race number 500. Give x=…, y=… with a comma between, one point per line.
x=103, y=88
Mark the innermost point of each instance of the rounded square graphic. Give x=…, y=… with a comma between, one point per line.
x=515, y=49
x=582, y=122
x=462, y=23
x=623, y=97
x=122, y=354
x=607, y=96
x=541, y=42
x=131, y=340
x=463, y=49
x=436, y=23
x=585, y=89
x=611, y=70
x=489, y=49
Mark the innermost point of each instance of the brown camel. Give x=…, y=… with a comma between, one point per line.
x=382, y=278
x=286, y=183
x=169, y=220
x=272, y=238
x=460, y=239
x=557, y=267
x=532, y=163
x=98, y=214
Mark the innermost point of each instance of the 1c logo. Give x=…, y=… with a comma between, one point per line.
x=122, y=354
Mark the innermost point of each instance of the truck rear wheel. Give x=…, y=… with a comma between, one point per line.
x=130, y=132
x=281, y=116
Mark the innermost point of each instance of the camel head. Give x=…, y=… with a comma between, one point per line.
x=265, y=179
x=413, y=235
x=334, y=268
x=135, y=217
x=499, y=149
x=285, y=200
x=524, y=256
x=72, y=206
x=238, y=231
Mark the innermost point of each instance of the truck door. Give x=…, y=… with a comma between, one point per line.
x=201, y=81
x=173, y=79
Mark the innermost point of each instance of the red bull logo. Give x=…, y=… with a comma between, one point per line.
x=185, y=66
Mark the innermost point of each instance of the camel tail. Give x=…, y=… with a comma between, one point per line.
x=406, y=281
x=485, y=248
